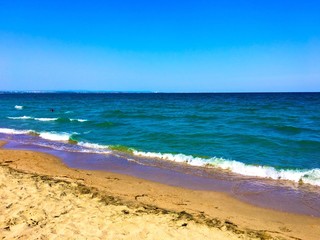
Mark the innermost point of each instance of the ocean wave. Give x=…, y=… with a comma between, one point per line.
x=64, y=120
x=85, y=148
x=54, y=136
x=21, y=118
x=311, y=176
x=78, y=120
x=61, y=141
x=45, y=119
x=33, y=118
x=14, y=131
x=94, y=147
x=42, y=119
x=18, y=107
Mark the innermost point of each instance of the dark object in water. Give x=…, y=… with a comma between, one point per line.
x=51, y=110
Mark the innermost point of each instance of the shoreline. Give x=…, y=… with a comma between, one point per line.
x=285, y=196
x=216, y=211
x=294, y=176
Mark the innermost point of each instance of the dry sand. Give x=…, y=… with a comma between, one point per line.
x=41, y=198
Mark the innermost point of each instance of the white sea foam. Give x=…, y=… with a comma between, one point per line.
x=18, y=107
x=37, y=119
x=46, y=119
x=194, y=161
x=92, y=145
x=94, y=148
x=54, y=136
x=42, y=119
x=78, y=120
x=21, y=118
x=14, y=131
x=307, y=176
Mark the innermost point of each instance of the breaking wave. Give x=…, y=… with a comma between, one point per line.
x=45, y=119
x=18, y=107
x=311, y=176
x=21, y=118
x=14, y=131
x=53, y=136
x=48, y=119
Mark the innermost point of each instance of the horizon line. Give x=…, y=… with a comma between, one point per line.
x=145, y=91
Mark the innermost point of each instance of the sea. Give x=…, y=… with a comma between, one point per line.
x=262, y=135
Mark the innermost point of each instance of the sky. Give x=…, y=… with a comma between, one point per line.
x=162, y=46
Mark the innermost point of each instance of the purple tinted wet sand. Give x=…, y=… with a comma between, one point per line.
x=278, y=195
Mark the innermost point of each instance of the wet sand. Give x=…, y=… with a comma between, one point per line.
x=42, y=198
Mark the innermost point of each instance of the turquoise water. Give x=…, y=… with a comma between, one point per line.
x=274, y=135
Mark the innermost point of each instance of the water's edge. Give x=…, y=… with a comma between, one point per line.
x=268, y=193
x=60, y=141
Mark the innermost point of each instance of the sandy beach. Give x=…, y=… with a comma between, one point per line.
x=160, y=120
x=41, y=198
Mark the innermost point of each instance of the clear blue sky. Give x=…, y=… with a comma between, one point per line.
x=172, y=46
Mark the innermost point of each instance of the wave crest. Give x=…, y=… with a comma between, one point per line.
x=94, y=148
x=21, y=118
x=42, y=119
x=311, y=176
x=18, y=107
x=14, y=131
x=55, y=136
x=45, y=119
x=78, y=120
